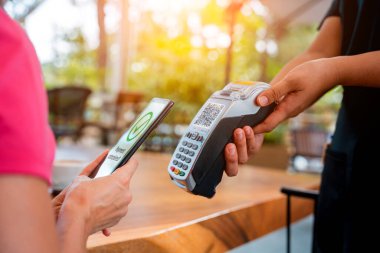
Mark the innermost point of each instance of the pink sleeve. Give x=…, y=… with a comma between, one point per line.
x=27, y=145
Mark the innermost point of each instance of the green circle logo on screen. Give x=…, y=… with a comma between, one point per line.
x=139, y=126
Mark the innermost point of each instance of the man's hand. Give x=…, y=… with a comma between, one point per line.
x=299, y=89
x=246, y=144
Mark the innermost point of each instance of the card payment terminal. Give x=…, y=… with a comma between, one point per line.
x=198, y=162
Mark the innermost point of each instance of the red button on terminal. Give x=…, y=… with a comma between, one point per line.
x=172, y=168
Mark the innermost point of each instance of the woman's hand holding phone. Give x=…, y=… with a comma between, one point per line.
x=91, y=205
x=97, y=204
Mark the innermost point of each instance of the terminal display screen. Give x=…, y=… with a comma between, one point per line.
x=135, y=135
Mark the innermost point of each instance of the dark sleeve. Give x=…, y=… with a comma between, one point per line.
x=333, y=11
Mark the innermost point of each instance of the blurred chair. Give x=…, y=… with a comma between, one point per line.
x=301, y=193
x=117, y=115
x=66, y=110
x=308, y=143
x=127, y=107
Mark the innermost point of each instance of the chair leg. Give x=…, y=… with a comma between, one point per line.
x=314, y=245
x=288, y=218
x=309, y=194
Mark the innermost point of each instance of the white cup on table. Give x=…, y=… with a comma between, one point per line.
x=64, y=172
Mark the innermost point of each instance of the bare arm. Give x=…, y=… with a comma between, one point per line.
x=306, y=83
x=88, y=206
x=326, y=44
x=26, y=217
x=27, y=220
x=247, y=142
x=358, y=70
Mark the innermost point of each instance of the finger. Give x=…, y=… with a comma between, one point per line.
x=254, y=141
x=273, y=94
x=230, y=154
x=241, y=145
x=126, y=171
x=259, y=139
x=79, y=179
x=94, y=164
x=106, y=232
x=250, y=139
x=273, y=120
x=57, y=200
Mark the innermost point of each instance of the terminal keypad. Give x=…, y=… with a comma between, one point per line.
x=185, y=153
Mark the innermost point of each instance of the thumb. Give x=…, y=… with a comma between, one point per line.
x=273, y=94
x=94, y=164
x=126, y=171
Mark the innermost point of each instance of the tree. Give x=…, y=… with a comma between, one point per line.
x=78, y=66
x=24, y=8
x=102, y=49
x=231, y=13
x=124, y=35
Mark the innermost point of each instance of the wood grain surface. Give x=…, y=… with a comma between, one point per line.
x=164, y=218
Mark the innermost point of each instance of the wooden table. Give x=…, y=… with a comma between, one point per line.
x=164, y=218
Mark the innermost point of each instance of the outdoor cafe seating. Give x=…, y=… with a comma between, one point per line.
x=67, y=106
x=102, y=63
x=70, y=158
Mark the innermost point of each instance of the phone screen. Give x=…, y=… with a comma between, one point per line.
x=150, y=117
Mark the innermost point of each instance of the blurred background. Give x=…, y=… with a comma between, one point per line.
x=103, y=60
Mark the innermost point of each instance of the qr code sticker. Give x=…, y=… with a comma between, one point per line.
x=209, y=114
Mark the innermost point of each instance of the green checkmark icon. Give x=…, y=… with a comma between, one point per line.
x=140, y=125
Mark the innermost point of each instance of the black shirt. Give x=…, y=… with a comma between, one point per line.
x=361, y=24
x=351, y=172
x=359, y=117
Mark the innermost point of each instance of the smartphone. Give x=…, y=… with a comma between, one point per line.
x=131, y=140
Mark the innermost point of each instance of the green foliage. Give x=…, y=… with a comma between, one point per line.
x=296, y=39
x=277, y=135
x=173, y=68
x=163, y=65
x=76, y=67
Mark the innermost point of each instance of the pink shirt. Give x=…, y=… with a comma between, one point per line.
x=27, y=144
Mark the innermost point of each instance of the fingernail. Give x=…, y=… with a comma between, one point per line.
x=263, y=100
x=240, y=135
x=231, y=150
